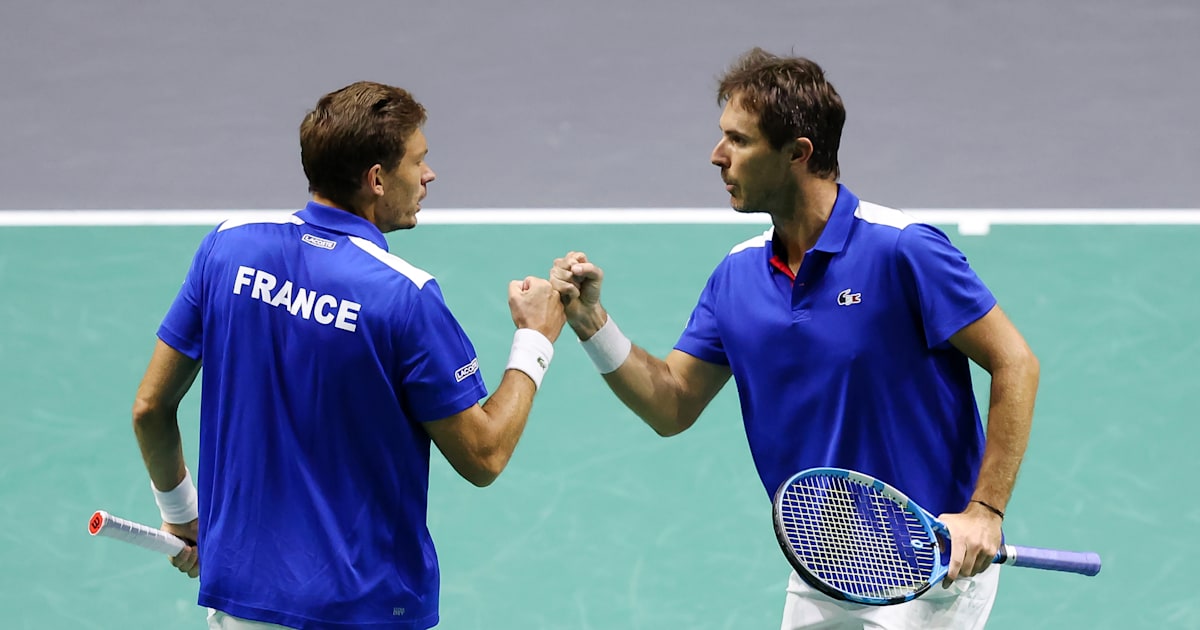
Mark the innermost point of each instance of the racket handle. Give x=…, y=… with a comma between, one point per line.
x=1082, y=562
x=104, y=524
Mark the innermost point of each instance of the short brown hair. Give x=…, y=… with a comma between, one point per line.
x=351, y=130
x=792, y=100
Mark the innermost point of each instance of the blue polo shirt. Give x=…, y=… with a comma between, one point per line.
x=322, y=355
x=849, y=364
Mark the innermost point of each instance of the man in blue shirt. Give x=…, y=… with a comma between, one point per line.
x=848, y=328
x=330, y=365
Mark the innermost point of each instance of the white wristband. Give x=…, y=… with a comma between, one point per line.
x=531, y=354
x=179, y=505
x=608, y=348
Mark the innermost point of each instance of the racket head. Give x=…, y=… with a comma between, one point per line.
x=856, y=538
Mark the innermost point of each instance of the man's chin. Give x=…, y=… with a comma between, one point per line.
x=404, y=225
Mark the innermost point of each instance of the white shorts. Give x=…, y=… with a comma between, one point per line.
x=218, y=620
x=964, y=606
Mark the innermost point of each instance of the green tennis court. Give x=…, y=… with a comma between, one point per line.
x=598, y=524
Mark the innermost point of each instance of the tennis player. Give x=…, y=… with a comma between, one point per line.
x=849, y=329
x=330, y=365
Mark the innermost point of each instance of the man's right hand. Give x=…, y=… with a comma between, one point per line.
x=534, y=304
x=188, y=560
x=578, y=282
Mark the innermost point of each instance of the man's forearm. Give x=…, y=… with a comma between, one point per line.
x=643, y=382
x=158, y=438
x=1010, y=418
x=668, y=395
x=646, y=385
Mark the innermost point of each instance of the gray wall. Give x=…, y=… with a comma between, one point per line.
x=1073, y=103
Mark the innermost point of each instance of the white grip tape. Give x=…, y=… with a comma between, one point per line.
x=531, y=354
x=109, y=526
x=180, y=504
x=608, y=348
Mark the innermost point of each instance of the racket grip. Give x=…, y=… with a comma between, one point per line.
x=104, y=524
x=1081, y=562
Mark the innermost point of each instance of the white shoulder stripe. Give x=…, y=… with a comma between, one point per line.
x=882, y=215
x=757, y=241
x=418, y=276
x=266, y=217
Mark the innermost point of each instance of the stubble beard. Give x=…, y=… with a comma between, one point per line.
x=742, y=206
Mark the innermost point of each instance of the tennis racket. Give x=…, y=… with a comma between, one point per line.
x=855, y=538
x=104, y=524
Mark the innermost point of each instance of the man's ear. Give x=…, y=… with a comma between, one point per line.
x=802, y=149
x=373, y=180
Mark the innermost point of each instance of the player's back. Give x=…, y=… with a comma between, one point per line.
x=314, y=501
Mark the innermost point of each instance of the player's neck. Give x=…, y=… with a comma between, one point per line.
x=811, y=207
x=364, y=210
x=325, y=201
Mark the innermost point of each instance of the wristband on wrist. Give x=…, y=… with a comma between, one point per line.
x=990, y=508
x=178, y=505
x=608, y=348
x=531, y=353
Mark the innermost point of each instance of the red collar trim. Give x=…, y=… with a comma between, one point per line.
x=779, y=264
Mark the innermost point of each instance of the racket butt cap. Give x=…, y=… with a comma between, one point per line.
x=97, y=522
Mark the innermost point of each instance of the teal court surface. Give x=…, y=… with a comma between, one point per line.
x=597, y=523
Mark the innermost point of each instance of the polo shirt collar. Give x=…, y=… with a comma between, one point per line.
x=837, y=228
x=338, y=220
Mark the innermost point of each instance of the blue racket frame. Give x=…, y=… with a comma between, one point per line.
x=922, y=533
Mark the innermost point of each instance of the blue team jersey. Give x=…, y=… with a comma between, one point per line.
x=849, y=364
x=322, y=355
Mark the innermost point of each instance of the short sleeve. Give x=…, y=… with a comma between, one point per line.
x=439, y=367
x=182, y=327
x=940, y=282
x=701, y=337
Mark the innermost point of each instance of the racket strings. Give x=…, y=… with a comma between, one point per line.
x=855, y=539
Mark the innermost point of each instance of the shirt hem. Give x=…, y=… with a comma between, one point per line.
x=177, y=342
x=970, y=316
x=455, y=405
x=703, y=354
x=293, y=620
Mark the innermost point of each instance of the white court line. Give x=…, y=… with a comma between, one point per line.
x=969, y=221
